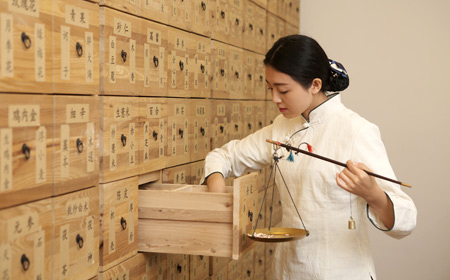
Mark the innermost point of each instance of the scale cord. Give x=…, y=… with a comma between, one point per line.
x=262, y=203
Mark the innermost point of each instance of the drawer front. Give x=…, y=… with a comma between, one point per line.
x=157, y=10
x=155, y=266
x=177, y=175
x=247, y=265
x=281, y=28
x=220, y=275
x=248, y=115
x=201, y=21
x=271, y=112
x=25, y=46
x=75, y=47
x=272, y=6
x=199, y=267
x=259, y=260
x=282, y=9
x=236, y=23
x=119, y=220
x=261, y=91
x=127, y=6
x=200, y=126
x=260, y=114
x=26, y=241
x=178, y=267
x=154, y=44
x=236, y=126
x=180, y=13
x=217, y=264
x=249, y=26
x=261, y=3
x=76, y=143
x=181, y=53
x=234, y=270
x=274, y=212
x=220, y=20
x=120, y=59
x=249, y=76
x=26, y=143
x=219, y=123
x=271, y=30
x=236, y=58
x=220, y=57
x=178, y=131
x=201, y=68
x=153, y=135
x=291, y=29
x=76, y=235
x=197, y=171
x=260, y=32
x=127, y=270
x=119, y=127
x=269, y=259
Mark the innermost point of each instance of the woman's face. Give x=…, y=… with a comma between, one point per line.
x=291, y=98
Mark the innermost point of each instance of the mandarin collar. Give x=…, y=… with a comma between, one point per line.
x=324, y=110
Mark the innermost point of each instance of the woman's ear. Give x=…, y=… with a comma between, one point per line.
x=316, y=86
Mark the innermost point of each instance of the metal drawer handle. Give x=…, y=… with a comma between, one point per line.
x=260, y=124
x=201, y=257
x=260, y=262
x=124, y=55
x=25, y=262
x=222, y=72
x=79, y=49
x=237, y=21
x=179, y=268
x=290, y=4
x=250, y=126
x=251, y=26
x=155, y=61
x=202, y=68
x=221, y=128
x=236, y=126
x=249, y=272
x=155, y=135
x=250, y=215
x=80, y=146
x=273, y=36
x=261, y=31
x=123, y=223
x=250, y=77
x=80, y=241
x=237, y=74
x=261, y=78
x=180, y=131
x=181, y=65
x=26, y=151
x=26, y=40
x=222, y=14
x=203, y=6
x=202, y=131
x=123, y=138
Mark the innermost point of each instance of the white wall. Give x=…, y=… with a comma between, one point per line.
x=397, y=53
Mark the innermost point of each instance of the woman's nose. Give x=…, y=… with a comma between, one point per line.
x=275, y=97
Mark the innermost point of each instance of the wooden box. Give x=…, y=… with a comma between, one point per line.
x=187, y=219
x=155, y=265
x=126, y=270
x=220, y=60
x=219, y=123
x=75, y=47
x=236, y=22
x=153, y=135
x=26, y=46
x=76, y=235
x=178, y=131
x=119, y=221
x=26, y=148
x=259, y=109
x=26, y=241
x=76, y=144
x=120, y=58
x=281, y=28
x=201, y=20
x=156, y=10
x=200, y=129
x=236, y=72
x=220, y=20
x=119, y=127
x=154, y=45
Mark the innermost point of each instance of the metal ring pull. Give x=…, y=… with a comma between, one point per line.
x=25, y=261
x=251, y=26
x=155, y=135
x=80, y=146
x=26, y=40
x=250, y=126
x=260, y=124
x=201, y=257
x=222, y=14
x=273, y=36
x=79, y=49
x=123, y=54
x=80, y=241
x=236, y=126
x=123, y=223
x=181, y=65
x=179, y=268
x=202, y=68
x=123, y=138
x=261, y=78
x=250, y=215
x=249, y=272
x=26, y=151
x=261, y=31
x=203, y=6
x=222, y=72
x=180, y=131
x=237, y=74
x=221, y=128
x=155, y=61
x=202, y=131
x=250, y=77
x=237, y=21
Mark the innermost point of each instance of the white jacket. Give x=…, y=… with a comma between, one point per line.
x=331, y=251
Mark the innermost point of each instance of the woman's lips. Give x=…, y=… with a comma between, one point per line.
x=282, y=110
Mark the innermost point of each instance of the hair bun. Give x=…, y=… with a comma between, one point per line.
x=339, y=79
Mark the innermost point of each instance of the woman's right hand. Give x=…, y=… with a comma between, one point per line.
x=216, y=183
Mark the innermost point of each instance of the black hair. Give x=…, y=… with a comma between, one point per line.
x=302, y=58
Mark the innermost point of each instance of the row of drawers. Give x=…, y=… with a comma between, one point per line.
x=79, y=47
x=57, y=144
x=76, y=235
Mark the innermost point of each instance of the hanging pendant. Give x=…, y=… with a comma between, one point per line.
x=351, y=224
x=290, y=157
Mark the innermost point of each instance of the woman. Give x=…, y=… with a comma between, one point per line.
x=300, y=78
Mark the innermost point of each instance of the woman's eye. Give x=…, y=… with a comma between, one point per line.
x=284, y=92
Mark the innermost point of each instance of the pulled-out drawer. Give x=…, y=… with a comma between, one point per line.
x=187, y=219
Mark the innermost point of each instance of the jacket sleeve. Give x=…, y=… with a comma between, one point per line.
x=238, y=156
x=370, y=150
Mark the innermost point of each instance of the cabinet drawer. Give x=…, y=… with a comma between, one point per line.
x=234, y=270
x=126, y=270
x=249, y=26
x=236, y=22
x=291, y=29
x=260, y=32
x=119, y=220
x=120, y=59
x=220, y=20
x=154, y=265
x=26, y=143
x=201, y=21
x=260, y=114
x=197, y=171
x=177, y=175
x=26, y=241
x=128, y=6
x=187, y=219
x=274, y=212
x=178, y=267
x=199, y=267
x=247, y=264
x=200, y=126
x=201, y=67
x=236, y=126
x=249, y=75
x=153, y=135
x=220, y=57
x=217, y=264
x=261, y=3
x=272, y=6
x=271, y=30
x=180, y=13
x=119, y=127
x=271, y=112
x=76, y=143
x=157, y=10
x=76, y=235
x=219, y=122
x=220, y=275
x=259, y=260
x=236, y=61
x=281, y=28
x=261, y=91
x=25, y=46
x=248, y=118
x=75, y=47
x=153, y=43
x=178, y=131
